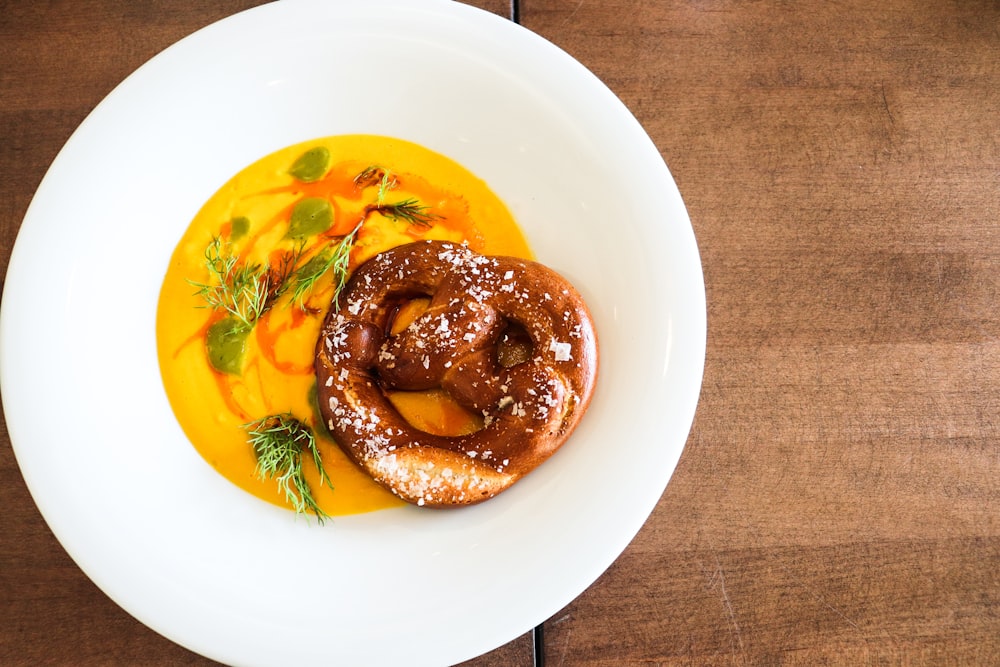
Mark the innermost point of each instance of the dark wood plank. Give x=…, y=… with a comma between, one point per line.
x=838, y=500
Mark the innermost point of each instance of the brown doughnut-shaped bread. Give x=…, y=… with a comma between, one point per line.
x=530, y=404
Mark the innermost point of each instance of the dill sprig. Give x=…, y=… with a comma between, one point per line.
x=410, y=211
x=386, y=182
x=278, y=442
x=237, y=288
x=375, y=175
x=244, y=291
x=282, y=271
x=341, y=262
x=305, y=277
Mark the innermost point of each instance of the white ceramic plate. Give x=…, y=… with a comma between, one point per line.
x=231, y=577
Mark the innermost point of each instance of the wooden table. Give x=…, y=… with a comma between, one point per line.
x=838, y=501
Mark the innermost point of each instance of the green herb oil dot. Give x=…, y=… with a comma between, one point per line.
x=311, y=165
x=238, y=227
x=310, y=216
x=227, y=342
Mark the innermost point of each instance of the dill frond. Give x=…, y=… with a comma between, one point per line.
x=278, y=442
x=410, y=211
x=239, y=289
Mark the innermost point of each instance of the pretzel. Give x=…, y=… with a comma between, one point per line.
x=531, y=396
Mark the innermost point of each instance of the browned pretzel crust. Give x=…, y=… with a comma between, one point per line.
x=529, y=408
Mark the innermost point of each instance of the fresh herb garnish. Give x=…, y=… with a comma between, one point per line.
x=409, y=210
x=237, y=288
x=244, y=291
x=279, y=442
x=385, y=183
x=341, y=263
x=304, y=278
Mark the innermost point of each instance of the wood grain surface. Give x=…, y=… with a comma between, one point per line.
x=838, y=501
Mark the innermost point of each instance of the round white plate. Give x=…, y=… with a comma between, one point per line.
x=234, y=578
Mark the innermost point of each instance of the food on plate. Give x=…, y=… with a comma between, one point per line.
x=249, y=284
x=510, y=340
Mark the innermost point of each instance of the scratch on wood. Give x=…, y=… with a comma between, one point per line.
x=727, y=602
x=837, y=611
x=885, y=104
x=565, y=647
x=573, y=13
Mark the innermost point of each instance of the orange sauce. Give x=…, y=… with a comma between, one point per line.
x=250, y=216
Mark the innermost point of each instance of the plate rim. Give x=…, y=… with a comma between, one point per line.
x=17, y=261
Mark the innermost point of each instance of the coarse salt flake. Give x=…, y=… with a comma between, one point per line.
x=562, y=350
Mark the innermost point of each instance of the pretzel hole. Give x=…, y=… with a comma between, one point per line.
x=514, y=345
x=434, y=411
x=405, y=313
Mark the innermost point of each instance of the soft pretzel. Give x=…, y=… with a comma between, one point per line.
x=530, y=403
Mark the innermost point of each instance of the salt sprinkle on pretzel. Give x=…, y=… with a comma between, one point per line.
x=529, y=405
